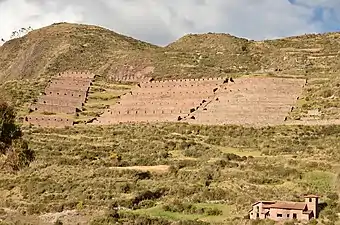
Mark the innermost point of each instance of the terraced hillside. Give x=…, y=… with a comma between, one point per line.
x=165, y=172
x=301, y=55
x=251, y=102
x=62, y=98
x=30, y=62
x=167, y=101
x=257, y=101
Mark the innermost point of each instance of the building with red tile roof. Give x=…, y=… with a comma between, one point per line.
x=285, y=210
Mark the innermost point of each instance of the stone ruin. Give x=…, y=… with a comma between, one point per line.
x=64, y=95
x=257, y=101
x=159, y=101
x=129, y=73
x=243, y=101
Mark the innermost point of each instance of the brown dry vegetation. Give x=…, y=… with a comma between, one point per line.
x=27, y=63
x=218, y=167
x=161, y=173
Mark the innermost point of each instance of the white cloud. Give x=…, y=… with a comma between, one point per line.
x=319, y=3
x=15, y=14
x=163, y=21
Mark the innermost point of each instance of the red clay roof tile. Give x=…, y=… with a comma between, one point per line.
x=288, y=205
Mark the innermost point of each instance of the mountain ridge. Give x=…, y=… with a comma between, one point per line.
x=28, y=63
x=64, y=46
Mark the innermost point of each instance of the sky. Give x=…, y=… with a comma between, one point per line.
x=163, y=21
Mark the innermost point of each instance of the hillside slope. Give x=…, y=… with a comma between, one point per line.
x=302, y=55
x=27, y=63
x=169, y=173
x=64, y=46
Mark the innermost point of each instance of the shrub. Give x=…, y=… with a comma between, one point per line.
x=327, y=93
x=233, y=157
x=147, y=195
x=143, y=175
x=16, y=150
x=213, y=212
x=333, y=196
x=57, y=222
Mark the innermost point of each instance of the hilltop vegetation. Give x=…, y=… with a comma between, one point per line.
x=59, y=47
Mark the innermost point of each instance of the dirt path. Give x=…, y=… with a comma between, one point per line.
x=157, y=169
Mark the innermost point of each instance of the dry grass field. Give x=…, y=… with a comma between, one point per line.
x=164, y=172
x=172, y=171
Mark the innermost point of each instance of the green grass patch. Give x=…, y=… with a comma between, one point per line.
x=319, y=181
x=158, y=211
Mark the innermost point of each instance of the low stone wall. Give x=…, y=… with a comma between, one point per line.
x=51, y=100
x=75, y=74
x=70, y=85
x=189, y=83
x=65, y=93
x=53, y=108
x=147, y=111
x=48, y=121
x=159, y=103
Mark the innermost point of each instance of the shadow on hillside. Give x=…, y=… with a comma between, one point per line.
x=322, y=206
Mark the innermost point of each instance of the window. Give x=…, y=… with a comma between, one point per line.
x=294, y=216
x=310, y=199
x=278, y=215
x=287, y=215
x=257, y=208
x=257, y=215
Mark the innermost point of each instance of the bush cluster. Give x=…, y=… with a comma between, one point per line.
x=12, y=146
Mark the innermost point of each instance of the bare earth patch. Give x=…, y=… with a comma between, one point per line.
x=157, y=169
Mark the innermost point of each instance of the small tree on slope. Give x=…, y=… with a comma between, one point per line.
x=13, y=149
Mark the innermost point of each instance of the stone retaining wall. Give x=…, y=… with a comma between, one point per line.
x=66, y=93
x=252, y=101
x=161, y=101
x=48, y=121
x=243, y=101
x=74, y=102
x=49, y=108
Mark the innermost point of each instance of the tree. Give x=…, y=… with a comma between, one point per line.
x=17, y=34
x=12, y=145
